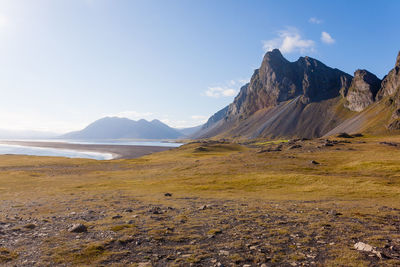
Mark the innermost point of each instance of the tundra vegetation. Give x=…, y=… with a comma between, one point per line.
x=207, y=203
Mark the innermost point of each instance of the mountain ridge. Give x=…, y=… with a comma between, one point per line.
x=304, y=98
x=124, y=128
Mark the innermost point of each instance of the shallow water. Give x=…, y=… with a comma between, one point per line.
x=122, y=142
x=69, y=153
x=54, y=152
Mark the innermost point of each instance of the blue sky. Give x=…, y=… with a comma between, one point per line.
x=67, y=63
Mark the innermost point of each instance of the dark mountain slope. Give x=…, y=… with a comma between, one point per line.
x=383, y=116
x=301, y=98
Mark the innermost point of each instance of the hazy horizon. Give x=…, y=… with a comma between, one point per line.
x=69, y=63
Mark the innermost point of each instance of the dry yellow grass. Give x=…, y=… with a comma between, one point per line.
x=359, y=178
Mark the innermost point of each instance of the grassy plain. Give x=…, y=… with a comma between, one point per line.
x=231, y=204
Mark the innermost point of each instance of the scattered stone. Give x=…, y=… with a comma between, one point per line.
x=361, y=246
x=344, y=135
x=168, y=194
x=204, y=207
x=144, y=264
x=328, y=144
x=30, y=226
x=129, y=210
x=78, y=228
x=295, y=146
x=156, y=210
x=315, y=162
x=389, y=143
x=116, y=217
x=224, y=253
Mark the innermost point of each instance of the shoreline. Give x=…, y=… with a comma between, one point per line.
x=118, y=151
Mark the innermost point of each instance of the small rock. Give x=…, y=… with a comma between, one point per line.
x=116, y=217
x=129, y=210
x=78, y=228
x=367, y=248
x=144, y=264
x=363, y=247
x=246, y=265
x=156, y=210
x=204, y=207
x=224, y=252
x=30, y=226
x=344, y=135
x=315, y=162
x=168, y=194
x=263, y=265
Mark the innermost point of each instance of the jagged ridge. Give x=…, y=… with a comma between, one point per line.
x=304, y=98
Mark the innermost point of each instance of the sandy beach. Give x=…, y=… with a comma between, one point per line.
x=119, y=151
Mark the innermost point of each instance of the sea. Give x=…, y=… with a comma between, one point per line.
x=7, y=149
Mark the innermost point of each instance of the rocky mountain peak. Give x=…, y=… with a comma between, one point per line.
x=362, y=91
x=279, y=80
x=272, y=60
x=391, y=82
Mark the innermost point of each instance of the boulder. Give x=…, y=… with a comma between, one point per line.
x=78, y=228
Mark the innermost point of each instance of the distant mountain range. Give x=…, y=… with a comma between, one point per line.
x=122, y=128
x=308, y=99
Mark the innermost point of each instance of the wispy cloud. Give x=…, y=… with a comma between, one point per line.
x=315, y=20
x=228, y=89
x=218, y=92
x=327, y=38
x=289, y=41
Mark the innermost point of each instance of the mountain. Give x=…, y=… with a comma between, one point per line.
x=186, y=132
x=381, y=117
x=304, y=98
x=120, y=128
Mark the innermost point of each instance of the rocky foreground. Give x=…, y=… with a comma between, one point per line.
x=282, y=203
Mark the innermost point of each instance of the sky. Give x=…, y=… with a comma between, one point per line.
x=67, y=63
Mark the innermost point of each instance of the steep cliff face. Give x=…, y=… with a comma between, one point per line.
x=278, y=80
x=221, y=114
x=306, y=98
x=284, y=99
x=362, y=91
x=391, y=82
x=391, y=88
